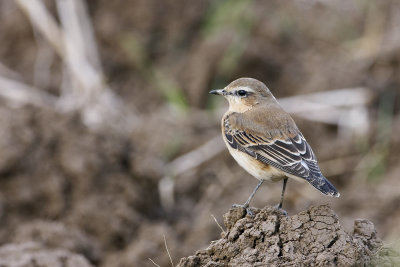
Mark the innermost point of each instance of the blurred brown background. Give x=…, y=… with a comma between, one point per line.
x=109, y=140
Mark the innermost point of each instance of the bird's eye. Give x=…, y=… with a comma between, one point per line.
x=242, y=92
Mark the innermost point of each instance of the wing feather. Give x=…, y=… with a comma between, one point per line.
x=282, y=154
x=292, y=155
x=284, y=150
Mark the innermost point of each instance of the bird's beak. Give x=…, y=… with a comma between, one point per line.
x=218, y=92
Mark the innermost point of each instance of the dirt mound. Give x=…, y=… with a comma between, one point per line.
x=310, y=238
x=57, y=236
x=33, y=254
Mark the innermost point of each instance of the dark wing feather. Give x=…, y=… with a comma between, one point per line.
x=286, y=155
x=292, y=155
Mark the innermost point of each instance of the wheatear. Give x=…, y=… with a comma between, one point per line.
x=265, y=141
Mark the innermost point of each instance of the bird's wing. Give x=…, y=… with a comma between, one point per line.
x=291, y=155
x=287, y=151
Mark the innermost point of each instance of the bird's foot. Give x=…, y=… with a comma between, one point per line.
x=279, y=207
x=244, y=206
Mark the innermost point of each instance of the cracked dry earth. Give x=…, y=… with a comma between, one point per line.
x=310, y=238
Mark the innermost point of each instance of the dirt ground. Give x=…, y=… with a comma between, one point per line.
x=110, y=196
x=271, y=238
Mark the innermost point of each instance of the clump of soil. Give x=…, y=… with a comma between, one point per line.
x=34, y=254
x=310, y=238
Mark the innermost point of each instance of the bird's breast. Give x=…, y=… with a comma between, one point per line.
x=255, y=167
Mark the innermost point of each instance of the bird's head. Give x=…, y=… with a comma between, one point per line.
x=245, y=93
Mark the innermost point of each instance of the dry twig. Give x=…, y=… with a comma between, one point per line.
x=154, y=262
x=83, y=86
x=17, y=93
x=220, y=227
x=166, y=247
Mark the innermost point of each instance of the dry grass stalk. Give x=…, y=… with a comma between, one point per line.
x=83, y=86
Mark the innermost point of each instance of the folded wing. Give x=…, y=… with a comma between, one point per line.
x=292, y=155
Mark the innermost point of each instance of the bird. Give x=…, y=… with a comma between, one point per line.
x=265, y=141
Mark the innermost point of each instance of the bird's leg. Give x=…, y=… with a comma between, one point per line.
x=283, y=193
x=246, y=204
x=279, y=206
x=253, y=193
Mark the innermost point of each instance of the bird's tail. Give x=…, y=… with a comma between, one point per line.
x=324, y=186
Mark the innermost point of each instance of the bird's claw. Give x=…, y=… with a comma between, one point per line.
x=279, y=207
x=245, y=206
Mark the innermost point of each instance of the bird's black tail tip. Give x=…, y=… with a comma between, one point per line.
x=326, y=187
x=333, y=193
